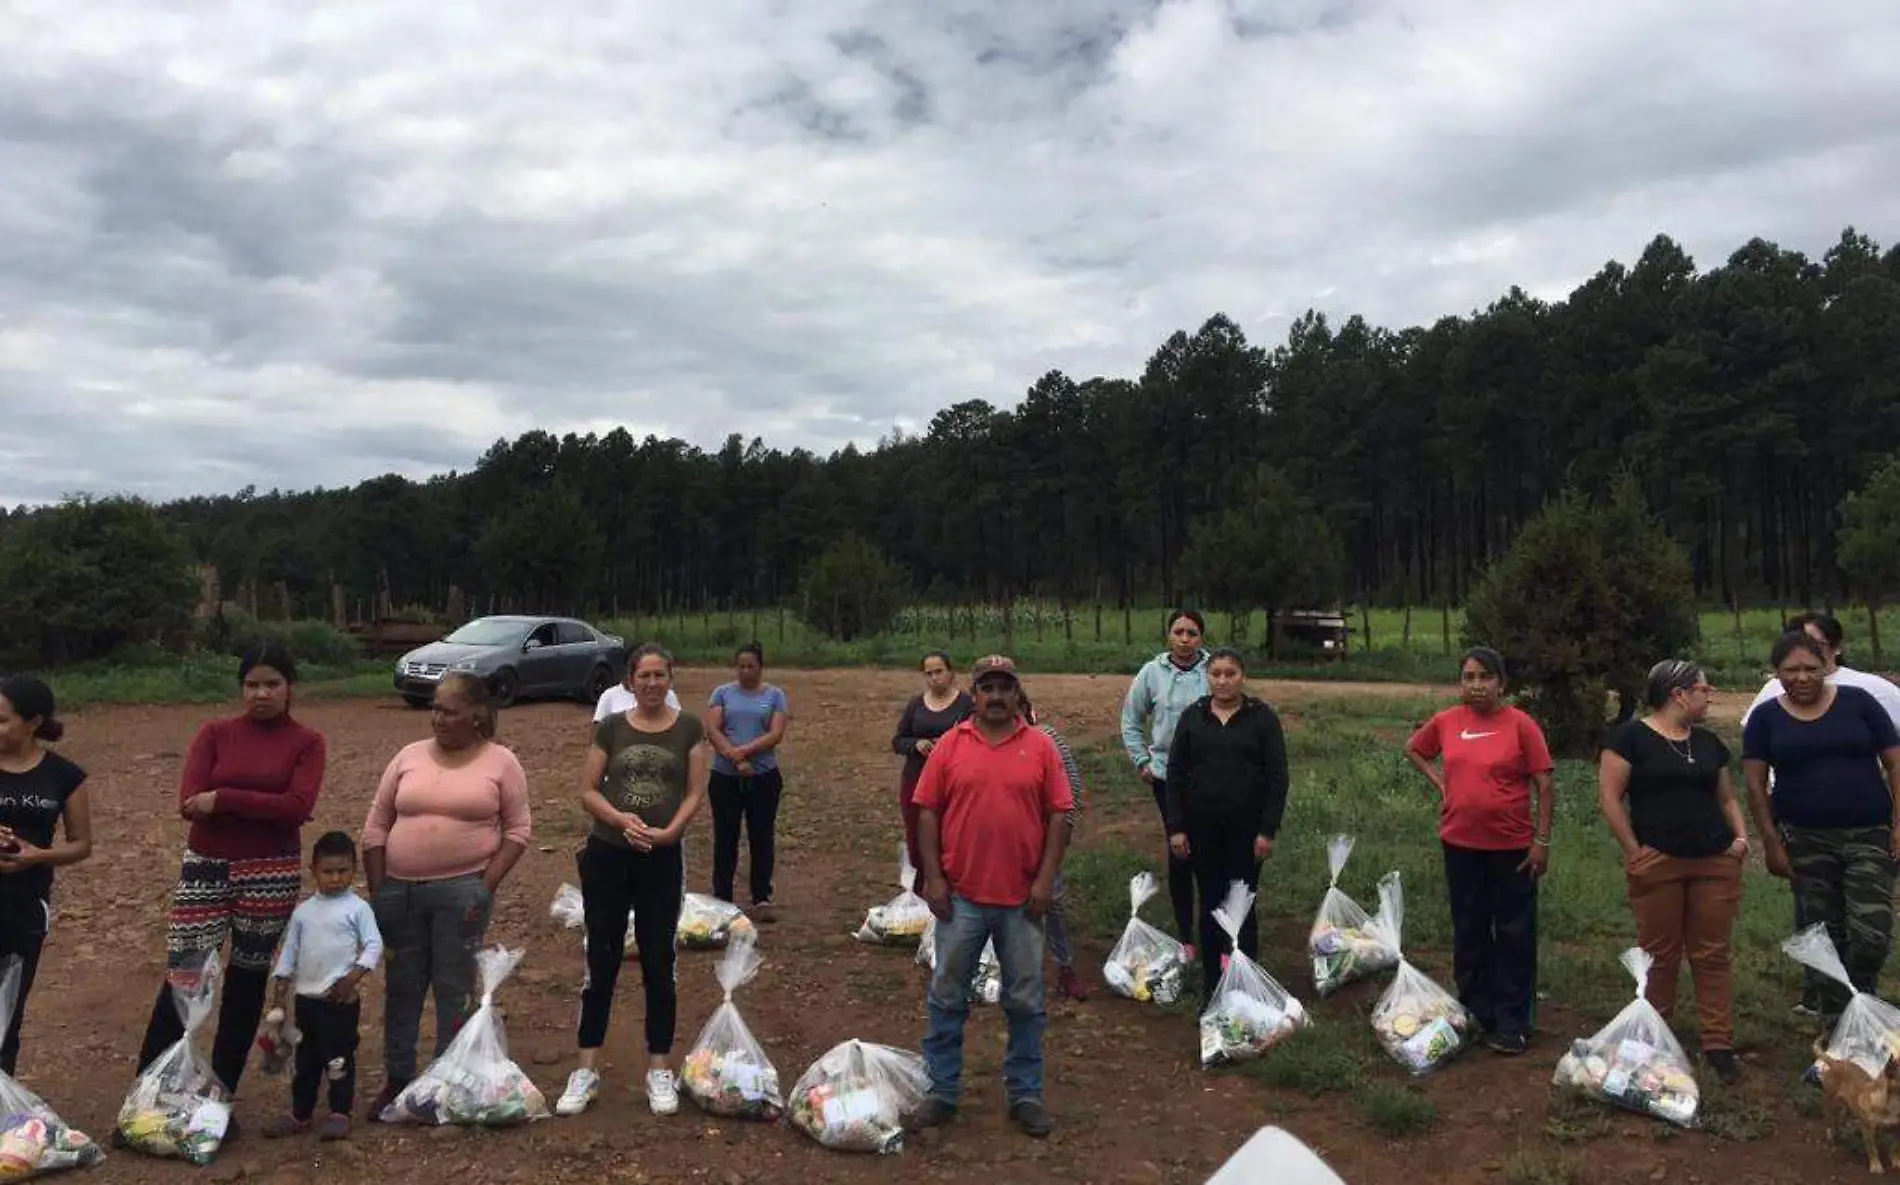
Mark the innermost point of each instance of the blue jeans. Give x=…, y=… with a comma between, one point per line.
x=1019, y=950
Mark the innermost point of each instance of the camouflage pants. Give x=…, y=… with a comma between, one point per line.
x=1844, y=877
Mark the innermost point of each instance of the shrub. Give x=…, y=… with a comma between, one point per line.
x=852, y=590
x=1589, y=595
x=308, y=640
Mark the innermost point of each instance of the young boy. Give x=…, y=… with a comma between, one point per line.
x=331, y=944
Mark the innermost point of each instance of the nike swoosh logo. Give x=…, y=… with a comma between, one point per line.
x=1464, y=735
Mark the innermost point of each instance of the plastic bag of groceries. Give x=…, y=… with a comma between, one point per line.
x=1868, y=1033
x=988, y=985
x=901, y=920
x=1345, y=944
x=474, y=1082
x=856, y=1097
x=177, y=1108
x=570, y=909
x=1145, y=964
x=707, y=923
x=1634, y=1062
x=726, y=1072
x=1421, y=1025
x=1248, y=1012
x=34, y=1140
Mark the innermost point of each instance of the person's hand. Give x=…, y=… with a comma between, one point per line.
x=639, y=835
x=19, y=855
x=201, y=805
x=1145, y=773
x=1262, y=848
x=1636, y=861
x=924, y=748
x=1893, y=843
x=937, y=896
x=1536, y=862
x=343, y=991
x=1041, y=893
x=744, y=766
x=1739, y=849
x=1178, y=844
x=1775, y=856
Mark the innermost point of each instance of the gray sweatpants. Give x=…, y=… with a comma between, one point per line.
x=432, y=931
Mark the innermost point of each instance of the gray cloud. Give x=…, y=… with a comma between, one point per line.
x=291, y=247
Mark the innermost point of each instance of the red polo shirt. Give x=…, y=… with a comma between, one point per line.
x=1489, y=762
x=995, y=802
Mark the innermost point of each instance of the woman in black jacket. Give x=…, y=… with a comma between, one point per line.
x=1227, y=784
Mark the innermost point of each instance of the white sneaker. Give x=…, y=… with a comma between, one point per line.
x=663, y=1094
x=583, y=1087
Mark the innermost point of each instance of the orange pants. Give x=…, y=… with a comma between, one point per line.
x=1686, y=909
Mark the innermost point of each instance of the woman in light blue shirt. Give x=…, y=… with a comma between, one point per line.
x=746, y=721
x=1163, y=689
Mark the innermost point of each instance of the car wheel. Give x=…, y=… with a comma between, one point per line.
x=504, y=688
x=598, y=683
x=416, y=701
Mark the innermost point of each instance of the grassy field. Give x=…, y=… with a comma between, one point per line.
x=1042, y=637
x=1349, y=777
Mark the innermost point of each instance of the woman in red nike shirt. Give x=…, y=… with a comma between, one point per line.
x=1494, y=764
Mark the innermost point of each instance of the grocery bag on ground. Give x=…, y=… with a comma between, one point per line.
x=570, y=909
x=1145, y=964
x=726, y=1071
x=474, y=1082
x=1868, y=1033
x=1248, y=1012
x=707, y=923
x=1634, y=1062
x=1421, y=1025
x=1344, y=944
x=856, y=1097
x=177, y=1107
x=901, y=920
x=987, y=987
x=34, y=1140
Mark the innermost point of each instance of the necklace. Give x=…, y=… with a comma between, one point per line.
x=1685, y=748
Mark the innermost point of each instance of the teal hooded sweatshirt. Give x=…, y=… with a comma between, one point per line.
x=1160, y=693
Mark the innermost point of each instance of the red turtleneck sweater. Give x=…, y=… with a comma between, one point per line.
x=266, y=776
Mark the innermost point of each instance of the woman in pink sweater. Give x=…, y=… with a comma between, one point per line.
x=449, y=821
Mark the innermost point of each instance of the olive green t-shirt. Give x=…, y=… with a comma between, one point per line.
x=646, y=771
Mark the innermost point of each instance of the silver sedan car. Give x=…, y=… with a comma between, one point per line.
x=519, y=656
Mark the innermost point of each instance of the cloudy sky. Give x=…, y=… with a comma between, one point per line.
x=291, y=244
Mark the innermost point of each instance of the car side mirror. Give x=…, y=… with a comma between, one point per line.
x=531, y=644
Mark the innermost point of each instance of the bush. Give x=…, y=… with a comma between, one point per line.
x=1588, y=597
x=308, y=640
x=852, y=590
x=89, y=578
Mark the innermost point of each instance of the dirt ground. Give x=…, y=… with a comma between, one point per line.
x=1124, y=1086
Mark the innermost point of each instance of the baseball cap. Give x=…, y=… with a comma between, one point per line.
x=994, y=664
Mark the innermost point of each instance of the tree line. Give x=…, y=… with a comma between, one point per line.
x=1350, y=461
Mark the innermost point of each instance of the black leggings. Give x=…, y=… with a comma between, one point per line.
x=239, y=1013
x=1222, y=853
x=1180, y=872
x=752, y=803
x=22, y=933
x=616, y=879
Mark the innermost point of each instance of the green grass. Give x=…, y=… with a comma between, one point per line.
x=1348, y=776
x=202, y=678
x=1529, y=1166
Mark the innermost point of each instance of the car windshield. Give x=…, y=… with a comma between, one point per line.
x=488, y=633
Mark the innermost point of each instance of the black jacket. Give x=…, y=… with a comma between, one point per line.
x=1233, y=772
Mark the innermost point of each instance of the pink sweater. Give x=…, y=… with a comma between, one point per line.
x=438, y=822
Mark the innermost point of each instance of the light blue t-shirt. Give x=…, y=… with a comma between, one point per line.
x=748, y=716
x=328, y=936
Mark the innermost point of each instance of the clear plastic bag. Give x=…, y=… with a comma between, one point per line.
x=34, y=1141
x=474, y=1082
x=987, y=985
x=1145, y=964
x=1345, y=944
x=1249, y=1012
x=726, y=1071
x=1868, y=1033
x=1634, y=1062
x=707, y=923
x=901, y=920
x=1421, y=1025
x=177, y=1108
x=856, y=1097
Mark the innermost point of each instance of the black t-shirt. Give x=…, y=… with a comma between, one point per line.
x=31, y=804
x=1672, y=800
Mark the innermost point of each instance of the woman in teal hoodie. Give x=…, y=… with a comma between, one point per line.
x=1165, y=687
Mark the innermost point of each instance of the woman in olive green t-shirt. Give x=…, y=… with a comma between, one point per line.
x=644, y=781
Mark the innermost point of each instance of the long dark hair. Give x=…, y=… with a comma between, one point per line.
x=32, y=699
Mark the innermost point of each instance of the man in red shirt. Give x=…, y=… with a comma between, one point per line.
x=990, y=798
